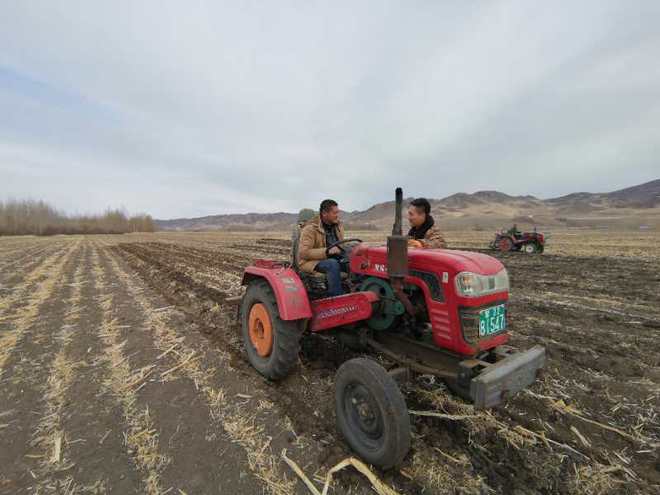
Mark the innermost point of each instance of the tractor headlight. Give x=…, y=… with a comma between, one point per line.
x=470, y=284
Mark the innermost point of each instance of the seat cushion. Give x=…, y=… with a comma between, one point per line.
x=321, y=275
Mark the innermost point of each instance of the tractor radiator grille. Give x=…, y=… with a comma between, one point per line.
x=470, y=326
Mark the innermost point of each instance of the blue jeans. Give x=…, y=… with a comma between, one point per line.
x=332, y=270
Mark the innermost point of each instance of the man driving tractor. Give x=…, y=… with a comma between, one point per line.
x=318, y=233
x=513, y=231
x=326, y=229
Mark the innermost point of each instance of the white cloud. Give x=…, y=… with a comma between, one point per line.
x=183, y=109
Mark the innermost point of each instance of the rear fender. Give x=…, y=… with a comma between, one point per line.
x=290, y=293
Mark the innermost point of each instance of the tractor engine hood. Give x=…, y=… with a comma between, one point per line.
x=365, y=257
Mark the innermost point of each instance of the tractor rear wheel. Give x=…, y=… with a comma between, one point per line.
x=530, y=248
x=272, y=344
x=504, y=244
x=371, y=413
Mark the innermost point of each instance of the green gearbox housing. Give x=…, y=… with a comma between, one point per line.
x=389, y=307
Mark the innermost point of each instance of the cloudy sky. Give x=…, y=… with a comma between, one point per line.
x=195, y=108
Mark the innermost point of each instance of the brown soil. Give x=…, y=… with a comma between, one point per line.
x=148, y=387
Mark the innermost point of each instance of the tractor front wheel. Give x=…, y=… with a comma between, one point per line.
x=371, y=413
x=272, y=344
x=530, y=248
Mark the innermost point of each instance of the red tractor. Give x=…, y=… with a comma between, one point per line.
x=514, y=240
x=436, y=312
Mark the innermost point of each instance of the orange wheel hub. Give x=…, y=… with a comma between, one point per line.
x=261, y=330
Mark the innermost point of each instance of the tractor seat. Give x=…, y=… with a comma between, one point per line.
x=320, y=275
x=316, y=283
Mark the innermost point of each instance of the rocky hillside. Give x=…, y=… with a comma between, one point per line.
x=629, y=208
x=237, y=221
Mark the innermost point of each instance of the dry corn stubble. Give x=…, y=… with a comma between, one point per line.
x=584, y=333
x=140, y=436
x=243, y=428
x=49, y=436
x=525, y=435
x=50, y=274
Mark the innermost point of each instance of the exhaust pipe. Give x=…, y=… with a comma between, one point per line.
x=397, y=244
x=397, y=255
x=398, y=202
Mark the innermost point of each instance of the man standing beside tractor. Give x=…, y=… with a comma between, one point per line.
x=423, y=232
x=326, y=229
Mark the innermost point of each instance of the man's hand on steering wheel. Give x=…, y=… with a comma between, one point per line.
x=337, y=248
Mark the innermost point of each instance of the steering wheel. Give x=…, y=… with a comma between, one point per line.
x=339, y=245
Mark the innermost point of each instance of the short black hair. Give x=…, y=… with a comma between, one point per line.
x=422, y=204
x=326, y=204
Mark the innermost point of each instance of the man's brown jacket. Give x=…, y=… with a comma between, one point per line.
x=433, y=239
x=311, y=248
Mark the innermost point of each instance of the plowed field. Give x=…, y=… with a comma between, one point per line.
x=121, y=371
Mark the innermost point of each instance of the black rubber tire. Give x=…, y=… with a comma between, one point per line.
x=505, y=241
x=387, y=446
x=286, y=334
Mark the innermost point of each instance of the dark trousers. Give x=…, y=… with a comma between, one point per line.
x=332, y=269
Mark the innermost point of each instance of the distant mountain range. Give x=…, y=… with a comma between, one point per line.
x=632, y=207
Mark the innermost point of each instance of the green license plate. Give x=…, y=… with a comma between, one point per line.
x=492, y=320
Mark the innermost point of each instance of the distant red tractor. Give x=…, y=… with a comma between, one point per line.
x=437, y=312
x=514, y=240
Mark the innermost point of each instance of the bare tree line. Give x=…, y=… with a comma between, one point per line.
x=32, y=217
